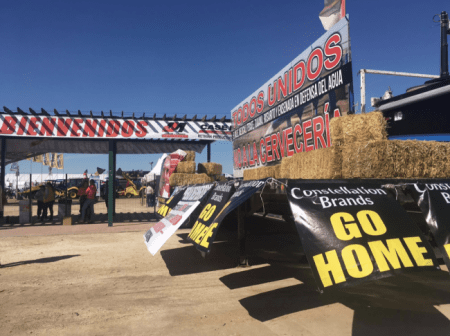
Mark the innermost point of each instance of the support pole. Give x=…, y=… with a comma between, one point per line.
x=208, y=153
x=243, y=259
x=2, y=173
x=111, y=181
x=444, y=45
x=31, y=199
x=363, y=90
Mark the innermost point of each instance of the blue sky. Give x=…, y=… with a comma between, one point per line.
x=197, y=57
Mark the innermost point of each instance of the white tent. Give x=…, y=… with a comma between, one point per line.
x=156, y=171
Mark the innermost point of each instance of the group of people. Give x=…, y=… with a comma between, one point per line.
x=45, y=200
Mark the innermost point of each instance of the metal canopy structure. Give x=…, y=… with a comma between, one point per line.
x=24, y=135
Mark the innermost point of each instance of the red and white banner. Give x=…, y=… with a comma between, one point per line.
x=291, y=112
x=77, y=127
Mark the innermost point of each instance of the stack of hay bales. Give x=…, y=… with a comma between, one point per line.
x=185, y=173
x=360, y=149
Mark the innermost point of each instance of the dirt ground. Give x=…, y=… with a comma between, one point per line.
x=95, y=280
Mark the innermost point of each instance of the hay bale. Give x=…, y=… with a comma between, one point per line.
x=221, y=178
x=285, y=167
x=186, y=167
x=396, y=159
x=190, y=156
x=324, y=163
x=177, y=179
x=262, y=172
x=358, y=128
x=210, y=168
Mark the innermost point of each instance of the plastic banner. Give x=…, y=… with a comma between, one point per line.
x=168, y=167
x=291, y=112
x=433, y=200
x=353, y=233
x=205, y=224
x=98, y=128
x=177, y=194
x=208, y=232
x=164, y=229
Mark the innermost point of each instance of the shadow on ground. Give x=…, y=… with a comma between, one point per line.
x=400, y=305
x=39, y=261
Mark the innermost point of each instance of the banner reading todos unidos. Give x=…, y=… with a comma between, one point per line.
x=203, y=233
x=434, y=201
x=203, y=228
x=352, y=233
x=291, y=112
x=164, y=229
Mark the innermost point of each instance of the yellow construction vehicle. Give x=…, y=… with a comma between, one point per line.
x=131, y=190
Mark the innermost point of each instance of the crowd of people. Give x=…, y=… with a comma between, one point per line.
x=87, y=196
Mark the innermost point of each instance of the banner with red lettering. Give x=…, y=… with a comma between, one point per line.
x=78, y=127
x=291, y=112
x=354, y=232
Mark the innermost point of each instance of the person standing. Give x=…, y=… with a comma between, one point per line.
x=40, y=202
x=149, y=192
x=82, y=193
x=49, y=200
x=91, y=192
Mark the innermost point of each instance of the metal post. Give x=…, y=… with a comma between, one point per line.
x=66, y=207
x=30, y=199
x=2, y=173
x=362, y=72
x=111, y=181
x=444, y=45
x=243, y=259
x=208, y=153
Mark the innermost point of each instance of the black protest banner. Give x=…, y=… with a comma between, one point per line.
x=172, y=201
x=208, y=233
x=204, y=227
x=353, y=233
x=433, y=200
x=166, y=227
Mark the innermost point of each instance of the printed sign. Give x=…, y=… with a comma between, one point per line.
x=353, y=233
x=164, y=229
x=203, y=228
x=291, y=112
x=203, y=235
x=434, y=201
x=177, y=194
x=168, y=168
x=98, y=127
